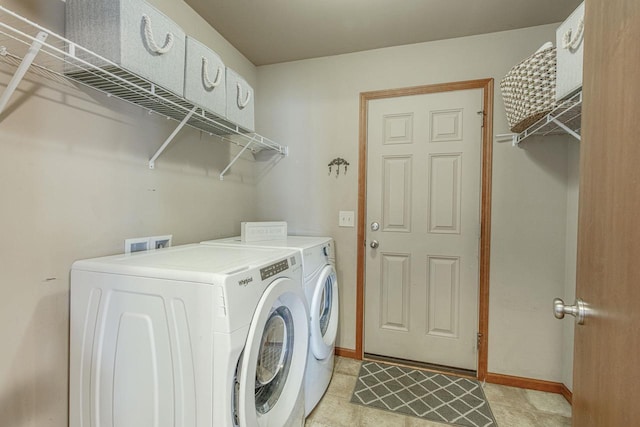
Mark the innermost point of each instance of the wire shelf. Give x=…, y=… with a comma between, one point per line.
x=565, y=118
x=63, y=61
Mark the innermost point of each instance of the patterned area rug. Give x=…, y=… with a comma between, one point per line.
x=437, y=397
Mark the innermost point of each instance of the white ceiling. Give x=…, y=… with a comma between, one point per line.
x=272, y=31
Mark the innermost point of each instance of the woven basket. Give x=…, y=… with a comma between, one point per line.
x=529, y=89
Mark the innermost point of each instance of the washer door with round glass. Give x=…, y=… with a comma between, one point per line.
x=273, y=363
x=324, y=314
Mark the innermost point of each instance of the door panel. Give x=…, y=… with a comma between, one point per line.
x=396, y=198
x=606, y=370
x=398, y=129
x=394, y=295
x=444, y=289
x=444, y=193
x=446, y=125
x=423, y=187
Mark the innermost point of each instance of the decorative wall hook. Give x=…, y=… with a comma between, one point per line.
x=337, y=162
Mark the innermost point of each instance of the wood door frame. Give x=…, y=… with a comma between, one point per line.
x=485, y=205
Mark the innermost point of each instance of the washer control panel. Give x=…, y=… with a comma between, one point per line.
x=273, y=269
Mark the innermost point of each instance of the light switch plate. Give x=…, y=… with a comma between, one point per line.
x=346, y=219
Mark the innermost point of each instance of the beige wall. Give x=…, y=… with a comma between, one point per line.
x=573, y=170
x=75, y=184
x=528, y=260
x=312, y=106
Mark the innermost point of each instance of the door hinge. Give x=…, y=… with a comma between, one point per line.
x=482, y=113
x=479, y=340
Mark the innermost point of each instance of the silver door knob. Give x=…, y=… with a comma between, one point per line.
x=578, y=310
x=374, y=244
x=375, y=226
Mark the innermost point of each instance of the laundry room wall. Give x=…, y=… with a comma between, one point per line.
x=571, y=257
x=312, y=105
x=75, y=183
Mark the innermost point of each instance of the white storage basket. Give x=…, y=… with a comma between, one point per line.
x=529, y=89
x=132, y=34
x=240, y=101
x=570, y=42
x=205, y=78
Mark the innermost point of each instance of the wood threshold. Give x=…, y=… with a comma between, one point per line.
x=530, y=383
x=445, y=370
x=485, y=209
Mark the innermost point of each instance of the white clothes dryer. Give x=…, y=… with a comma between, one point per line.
x=188, y=336
x=321, y=290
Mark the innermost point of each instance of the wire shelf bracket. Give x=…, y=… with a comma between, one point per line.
x=224, y=171
x=152, y=161
x=22, y=68
x=564, y=118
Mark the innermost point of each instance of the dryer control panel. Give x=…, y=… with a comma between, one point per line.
x=273, y=269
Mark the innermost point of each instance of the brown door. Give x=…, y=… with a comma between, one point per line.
x=607, y=347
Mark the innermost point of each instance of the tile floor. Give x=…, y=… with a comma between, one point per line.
x=512, y=407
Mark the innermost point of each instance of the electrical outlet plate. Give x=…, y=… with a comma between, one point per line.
x=159, y=242
x=346, y=219
x=137, y=244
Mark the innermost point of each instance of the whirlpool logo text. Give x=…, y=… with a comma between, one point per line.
x=245, y=282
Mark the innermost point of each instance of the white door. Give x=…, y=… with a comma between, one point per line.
x=272, y=367
x=423, y=214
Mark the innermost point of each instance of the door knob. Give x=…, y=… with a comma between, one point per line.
x=374, y=244
x=375, y=226
x=578, y=310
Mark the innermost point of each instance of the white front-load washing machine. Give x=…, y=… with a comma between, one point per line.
x=321, y=290
x=188, y=336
